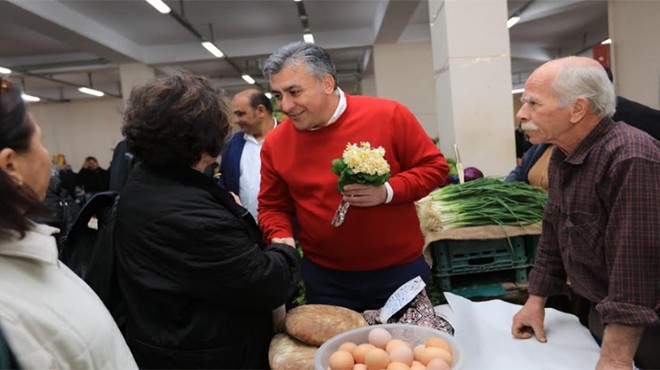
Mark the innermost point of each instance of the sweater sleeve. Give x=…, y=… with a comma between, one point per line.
x=423, y=167
x=520, y=172
x=275, y=206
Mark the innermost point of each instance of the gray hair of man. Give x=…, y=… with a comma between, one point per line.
x=316, y=59
x=576, y=80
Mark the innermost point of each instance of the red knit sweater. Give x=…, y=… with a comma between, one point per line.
x=296, y=178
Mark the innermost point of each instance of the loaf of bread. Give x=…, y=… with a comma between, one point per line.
x=315, y=323
x=286, y=353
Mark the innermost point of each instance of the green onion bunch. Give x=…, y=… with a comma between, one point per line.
x=488, y=201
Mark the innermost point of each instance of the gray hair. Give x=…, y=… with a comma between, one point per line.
x=316, y=59
x=576, y=80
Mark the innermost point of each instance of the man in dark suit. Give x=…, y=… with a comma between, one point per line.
x=240, y=164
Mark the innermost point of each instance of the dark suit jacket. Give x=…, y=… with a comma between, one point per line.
x=230, y=164
x=638, y=115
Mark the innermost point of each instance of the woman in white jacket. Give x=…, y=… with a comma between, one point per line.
x=49, y=316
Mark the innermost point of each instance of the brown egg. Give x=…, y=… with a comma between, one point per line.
x=347, y=346
x=395, y=343
x=417, y=351
x=416, y=365
x=438, y=342
x=402, y=354
x=437, y=364
x=341, y=360
x=360, y=367
x=429, y=353
x=397, y=366
x=379, y=337
x=376, y=359
x=361, y=351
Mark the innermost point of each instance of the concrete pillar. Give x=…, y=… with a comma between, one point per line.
x=131, y=75
x=403, y=72
x=368, y=86
x=472, y=76
x=634, y=27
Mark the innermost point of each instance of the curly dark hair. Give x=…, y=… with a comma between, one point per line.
x=18, y=203
x=171, y=121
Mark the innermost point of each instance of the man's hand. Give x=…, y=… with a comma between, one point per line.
x=529, y=320
x=289, y=241
x=360, y=195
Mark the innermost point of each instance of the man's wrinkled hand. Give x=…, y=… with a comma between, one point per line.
x=528, y=321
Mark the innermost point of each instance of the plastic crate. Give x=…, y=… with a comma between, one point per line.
x=531, y=245
x=451, y=257
x=480, y=284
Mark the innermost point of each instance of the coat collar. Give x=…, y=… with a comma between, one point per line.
x=38, y=244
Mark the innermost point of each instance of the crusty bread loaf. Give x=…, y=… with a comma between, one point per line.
x=286, y=353
x=315, y=323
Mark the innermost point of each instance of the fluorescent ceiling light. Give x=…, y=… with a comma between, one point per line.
x=512, y=21
x=269, y=95
x=89, y=91
x=4, y=70
x=517, y=91
x=213, y=49
x=606, y=42
x=297, y=1
x=160, y=6
x=30, y=98
x=308, y=37
x=248, y=79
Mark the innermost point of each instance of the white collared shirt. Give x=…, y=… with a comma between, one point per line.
x=341, y=107
x=250, y=168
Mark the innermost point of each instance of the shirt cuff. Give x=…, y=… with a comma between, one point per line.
x=390, y=192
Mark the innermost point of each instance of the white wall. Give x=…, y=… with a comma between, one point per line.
x=634, y=29
x=80, y=128
x=472, y=72
x=404, y=72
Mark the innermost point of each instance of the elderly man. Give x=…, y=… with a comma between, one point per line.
x=601, y=227
x=240, y=164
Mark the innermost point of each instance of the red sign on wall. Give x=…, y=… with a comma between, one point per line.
x=602, y=54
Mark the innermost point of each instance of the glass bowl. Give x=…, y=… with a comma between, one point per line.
x=412, y=334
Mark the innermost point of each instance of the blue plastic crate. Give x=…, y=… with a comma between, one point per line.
x=463, y=257
x=452, y=257
x=485, y=284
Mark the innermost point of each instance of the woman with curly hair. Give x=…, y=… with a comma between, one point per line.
x=198, y=282
x=50, y=317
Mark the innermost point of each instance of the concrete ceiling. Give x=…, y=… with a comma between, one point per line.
x=54, y=45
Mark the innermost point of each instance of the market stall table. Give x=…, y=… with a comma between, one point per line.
x=483, y=333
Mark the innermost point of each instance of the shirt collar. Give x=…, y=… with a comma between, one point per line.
x=251, y=138
x=341, y=107
x=584, y=148
x=38, y=244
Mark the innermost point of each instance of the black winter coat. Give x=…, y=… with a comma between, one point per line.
x=199, y=288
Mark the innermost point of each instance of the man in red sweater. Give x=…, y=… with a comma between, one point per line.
x=359, y=264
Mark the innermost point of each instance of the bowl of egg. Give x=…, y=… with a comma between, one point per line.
x=391, y=347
